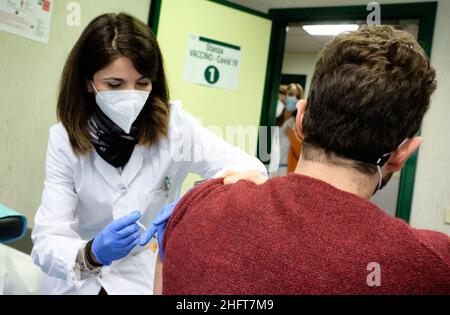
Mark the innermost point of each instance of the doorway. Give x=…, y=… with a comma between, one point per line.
x=287, y=31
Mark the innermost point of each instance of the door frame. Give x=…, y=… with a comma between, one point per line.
x=425, y=12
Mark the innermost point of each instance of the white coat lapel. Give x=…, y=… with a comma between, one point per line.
x=108, y=172
x=133, y=166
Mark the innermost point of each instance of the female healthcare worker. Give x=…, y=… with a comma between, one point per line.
x=120, y=146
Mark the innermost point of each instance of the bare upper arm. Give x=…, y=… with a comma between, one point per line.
x=158, y=282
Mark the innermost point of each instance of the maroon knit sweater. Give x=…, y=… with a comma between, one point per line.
x=296, y=235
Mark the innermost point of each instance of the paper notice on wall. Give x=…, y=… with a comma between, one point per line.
x=27, y=18
x=211, y=62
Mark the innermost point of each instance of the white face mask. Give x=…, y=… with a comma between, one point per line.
x=122, y=107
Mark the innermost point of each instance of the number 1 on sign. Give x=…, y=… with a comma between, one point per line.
x=212, y=75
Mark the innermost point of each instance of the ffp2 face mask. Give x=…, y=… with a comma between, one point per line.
x=122, y=107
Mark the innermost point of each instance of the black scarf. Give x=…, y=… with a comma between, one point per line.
x=110, y=141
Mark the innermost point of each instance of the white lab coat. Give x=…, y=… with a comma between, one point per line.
x=18, y=274
x=83, y=194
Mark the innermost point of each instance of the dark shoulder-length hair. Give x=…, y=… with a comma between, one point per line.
x=105, y=39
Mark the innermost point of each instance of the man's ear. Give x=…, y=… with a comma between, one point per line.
x=402, y=154
x=301, y=107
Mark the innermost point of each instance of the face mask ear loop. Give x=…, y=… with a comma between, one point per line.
x=380, y=175
x=95, y=89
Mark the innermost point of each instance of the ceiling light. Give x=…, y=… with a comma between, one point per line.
x=330, y=30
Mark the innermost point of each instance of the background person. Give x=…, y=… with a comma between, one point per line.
x=286, y=122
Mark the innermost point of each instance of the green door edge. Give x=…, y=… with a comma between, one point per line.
x=154, y=15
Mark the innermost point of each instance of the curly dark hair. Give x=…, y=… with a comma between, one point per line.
x=370, y=91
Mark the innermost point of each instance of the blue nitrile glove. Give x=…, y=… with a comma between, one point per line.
x=117, y=239
x=159, y=226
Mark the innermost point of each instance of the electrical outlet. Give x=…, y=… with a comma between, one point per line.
x=447, y=216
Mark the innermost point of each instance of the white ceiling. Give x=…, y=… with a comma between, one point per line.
x=298, y=40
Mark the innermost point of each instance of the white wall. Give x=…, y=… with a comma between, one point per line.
x=300, y=63
x=432, y=185
x=432, y=188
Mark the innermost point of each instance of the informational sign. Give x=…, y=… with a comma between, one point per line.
x=212, y=62
x=27, y=18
